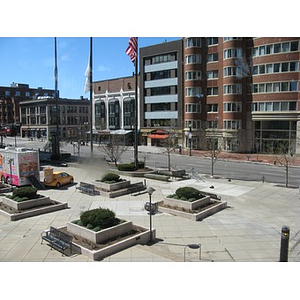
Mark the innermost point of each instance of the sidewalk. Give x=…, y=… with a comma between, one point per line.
x=247, y=231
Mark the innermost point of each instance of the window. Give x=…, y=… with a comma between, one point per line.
x=269, y=68
x=211, y=41
x=277, y=48
x=193, y=92
x=232, y=89
x=7, y=93
x=212, y=107
x=231, y=53
x=212, y=57
x=232, y=71
x=285, y=47
x=212, y=91
x=232, y=124
x=269, y=49
x=193, y=42
x=232, y=106
x=262, y=50
x=193, y=75
x=275, y=106
x=294, y=46
x=193, y=59
x=193, y=108
x=212, y=74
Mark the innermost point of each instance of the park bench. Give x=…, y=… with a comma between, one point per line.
x=57, y=239
x=87, y=188
x=175, y=174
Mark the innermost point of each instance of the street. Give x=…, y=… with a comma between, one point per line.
x=154, y=158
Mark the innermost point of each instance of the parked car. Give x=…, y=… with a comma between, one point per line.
x=58, y=179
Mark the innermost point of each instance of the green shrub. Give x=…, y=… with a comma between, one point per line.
x=126, y=167
x=25, y=191
x=97, y=228
x=99, y=217
x=187, y=193
x=131, y=166
x=110, y=177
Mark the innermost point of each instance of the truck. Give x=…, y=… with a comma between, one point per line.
x=19, y=166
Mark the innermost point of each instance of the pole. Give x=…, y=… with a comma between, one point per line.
x=136, y=135
x=150, y=213
x=284, y=247
x=56, y=148
x=91, y=93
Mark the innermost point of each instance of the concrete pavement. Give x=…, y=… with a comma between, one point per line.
x=247, y=231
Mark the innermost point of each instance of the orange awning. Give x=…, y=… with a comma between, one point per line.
x=158, y=136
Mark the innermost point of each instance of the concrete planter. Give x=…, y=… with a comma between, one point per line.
x=26, y=204
x=195, y=205
x=187, y=205
x=140, y=238
x=110, y=187
x=99, y=236
x=195, y=216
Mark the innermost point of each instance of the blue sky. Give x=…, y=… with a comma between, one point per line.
x=31, y=60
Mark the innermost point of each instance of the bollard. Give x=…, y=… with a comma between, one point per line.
x=284, y=247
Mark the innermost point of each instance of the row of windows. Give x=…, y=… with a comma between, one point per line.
x=196, y=41
x=275, y=87
x=275, y=48
x=274, y=106
x=292, y=66
x=158, y=59
x=193, y=108
x=27, y=94
x=227, y=124
x=232, y=53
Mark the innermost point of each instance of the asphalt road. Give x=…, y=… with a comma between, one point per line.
x=241, y=170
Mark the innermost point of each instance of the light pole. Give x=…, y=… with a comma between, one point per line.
x=190, y=139
x=150, y=190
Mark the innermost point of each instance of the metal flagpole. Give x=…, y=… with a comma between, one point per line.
x=136, y=110
x=91, y=93
x=56, y=142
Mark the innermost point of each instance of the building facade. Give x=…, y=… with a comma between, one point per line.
x=161, y=97
x=114, y=107
x=10, y=98
x=38, y=118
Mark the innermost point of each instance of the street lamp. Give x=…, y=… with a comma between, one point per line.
x=190, y=139
x=150, y=190
x=192, y=246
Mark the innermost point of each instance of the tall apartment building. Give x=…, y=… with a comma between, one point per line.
x=243, y=93
x=161, y=97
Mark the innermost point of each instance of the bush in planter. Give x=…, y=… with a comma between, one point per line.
x=110, y=178
x=99, y=217
x=131, y=166
x=186, y=193
x=28, y=192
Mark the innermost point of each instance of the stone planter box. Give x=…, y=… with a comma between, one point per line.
x=140, y=238
x=110, y=187
x=187, y=205
x=99, y=236
x=219, y=205
x=26, y=204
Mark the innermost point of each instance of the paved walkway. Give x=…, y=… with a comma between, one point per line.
x=248, y=230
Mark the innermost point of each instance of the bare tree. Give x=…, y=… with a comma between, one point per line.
x=170, y=144
x=284, y=156
x=213, y=151
x=114, y=148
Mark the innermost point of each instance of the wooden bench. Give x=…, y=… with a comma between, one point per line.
x=87, y=188
x=57, y=239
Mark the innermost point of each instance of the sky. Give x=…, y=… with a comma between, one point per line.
x=30, y=60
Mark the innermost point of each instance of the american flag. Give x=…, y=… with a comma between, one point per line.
x=132, y=49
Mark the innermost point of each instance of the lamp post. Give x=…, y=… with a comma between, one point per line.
x=192, y=246
x=150, y=190
x=190, y=139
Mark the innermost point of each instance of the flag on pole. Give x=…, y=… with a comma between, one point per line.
x=132, y=49
x=87, y=75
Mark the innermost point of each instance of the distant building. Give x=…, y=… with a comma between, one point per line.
x=10, y=97
x=114, y=107
x=38, y=118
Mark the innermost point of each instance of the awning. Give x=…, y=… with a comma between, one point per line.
x=158, y=136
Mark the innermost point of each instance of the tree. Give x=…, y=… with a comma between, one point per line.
x=114, y=148
x=213, y=151
x=170, y=144
x=284, y=156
